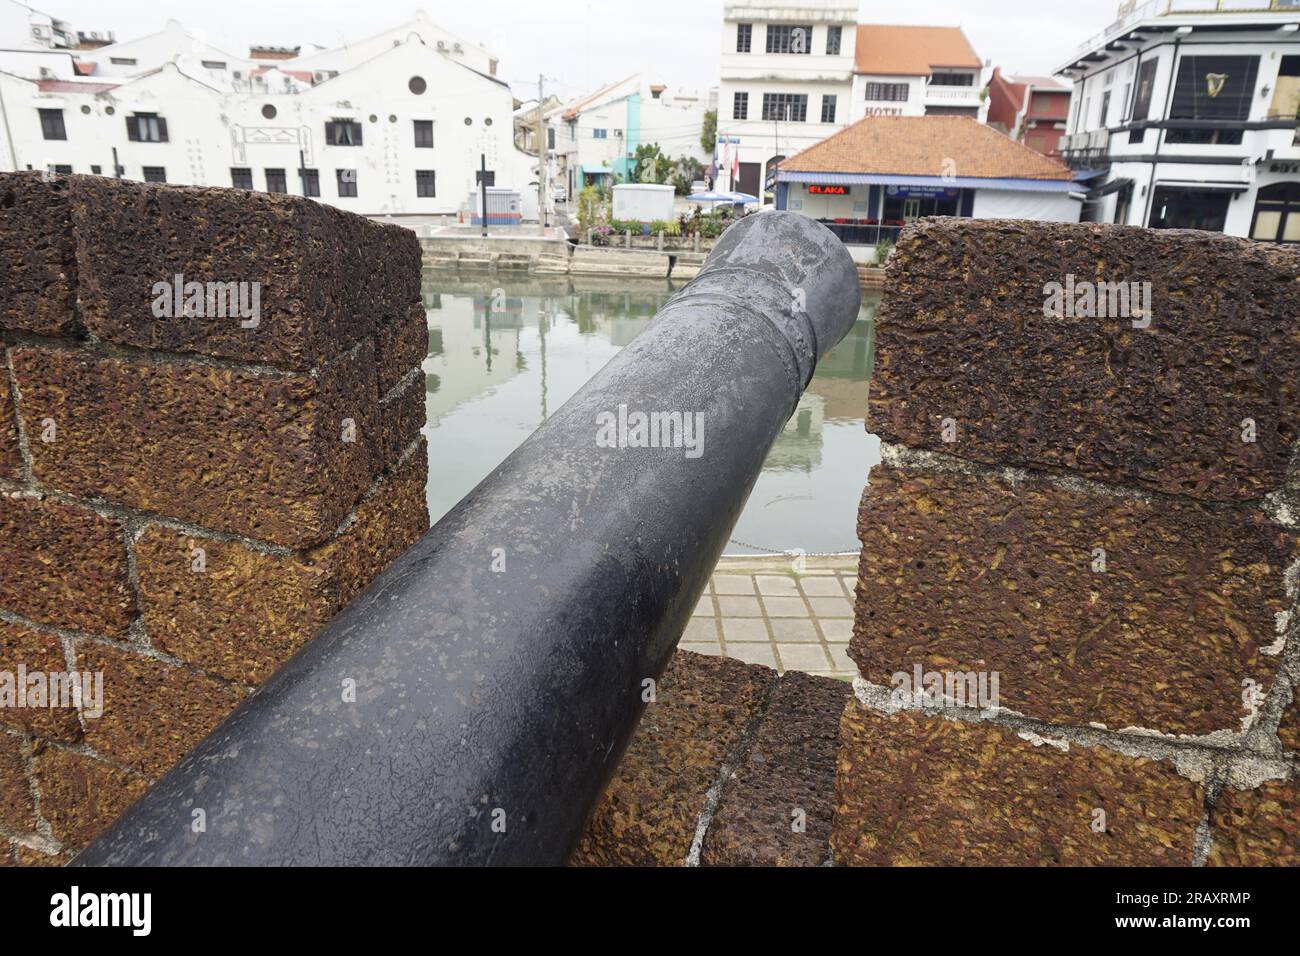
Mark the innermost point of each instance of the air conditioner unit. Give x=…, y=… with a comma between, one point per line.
x=41, y=33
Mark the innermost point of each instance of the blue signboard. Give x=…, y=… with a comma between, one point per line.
x=937, y=192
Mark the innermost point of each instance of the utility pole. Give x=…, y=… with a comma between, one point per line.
x=541, y=155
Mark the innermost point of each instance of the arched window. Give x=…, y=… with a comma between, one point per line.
x=1277, y=214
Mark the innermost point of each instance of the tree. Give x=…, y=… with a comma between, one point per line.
x=709, y=135
x=686, y=170
x=650, y=165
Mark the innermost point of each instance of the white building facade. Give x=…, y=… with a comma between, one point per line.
x=793, y=75
x=393, y=125
x=1189, y=120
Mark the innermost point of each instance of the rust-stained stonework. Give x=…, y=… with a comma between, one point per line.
x=63, y=565
x=17, y=806
x=961, y=334
x=783, y=780
x=973, y=572
x=246, y=612
x=257, y=455
x=38, y=281
x=1258, y=827
x=81, y=795
x=22, y=647
x=11, y=459
x=1288, y=731
x=650, y=810
x=913, y=789
x=327, y=278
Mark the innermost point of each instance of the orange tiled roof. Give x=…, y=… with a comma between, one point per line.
x=925, y=146
x=912, y=51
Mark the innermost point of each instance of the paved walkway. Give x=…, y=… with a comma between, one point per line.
x=760, y=610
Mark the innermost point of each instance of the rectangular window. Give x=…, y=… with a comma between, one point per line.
x=275, y=181
x=424, y=134
x=744, y=37
x=787, y=38
x=241, y=177
x=740, y=106
x=52, y=124
x=952, y=79
x=347, y=182
x=213, y=64
x=146, y=128
x=1104, y=119
x=1214, y=88
x=155, y=174
x=343, y=132
x=600, y=134
x=1146, y=81
x=425, y=181
x=833, y=36
x=61, y=169
x=550, y=137
x=310, y=181
x=828, y=108
x=122, y=60
x=790, y=107
x=888, y=92
x=96, y=170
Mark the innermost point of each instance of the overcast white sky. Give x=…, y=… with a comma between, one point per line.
x=582, y=43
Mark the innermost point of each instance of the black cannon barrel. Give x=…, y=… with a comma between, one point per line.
x=470, y=706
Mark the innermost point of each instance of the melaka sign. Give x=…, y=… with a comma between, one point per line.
x=828, y=190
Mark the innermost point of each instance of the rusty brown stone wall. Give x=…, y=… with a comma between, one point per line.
x=1102, y=509
x=184, y=501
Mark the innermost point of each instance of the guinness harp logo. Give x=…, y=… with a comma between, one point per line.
x=1214, y=83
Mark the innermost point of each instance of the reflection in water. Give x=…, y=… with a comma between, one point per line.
x=504, y=353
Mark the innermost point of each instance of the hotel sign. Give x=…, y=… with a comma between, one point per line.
x=814, y=190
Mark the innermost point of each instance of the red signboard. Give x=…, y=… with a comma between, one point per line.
x=828, y=190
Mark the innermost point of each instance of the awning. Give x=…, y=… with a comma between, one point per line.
x=597, y=171
x=1211, y=187
x=889, y=179
x=1114, y=186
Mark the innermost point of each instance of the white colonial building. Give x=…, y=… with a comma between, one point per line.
x=793, y=75
x=394, y=124
x=1187, y=119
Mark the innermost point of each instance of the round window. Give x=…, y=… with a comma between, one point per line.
x=109, y=110
x=268, y=111
x=417, y=85
x=85, y=109
x=392, y=117
x=488, y=121
x=468, y=121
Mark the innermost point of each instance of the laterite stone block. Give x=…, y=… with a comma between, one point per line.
x=39, y=279
x=651, y=808
x=241, y=613
x=401, y=416
x=962, y=335
x=919, y=790
x=1259, y=827
x=326, y=278
x=63, y=565
x=153, y=711
x=17, y=806
x=1288, y=731
x=262, y=455
x=401, y=346
x=34, y=651
x=81, y=796
x=777, y=809
x=11, y=459
x=969, y=572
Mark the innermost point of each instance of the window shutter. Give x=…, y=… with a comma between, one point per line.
x=132, y=131
x=162, y=130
